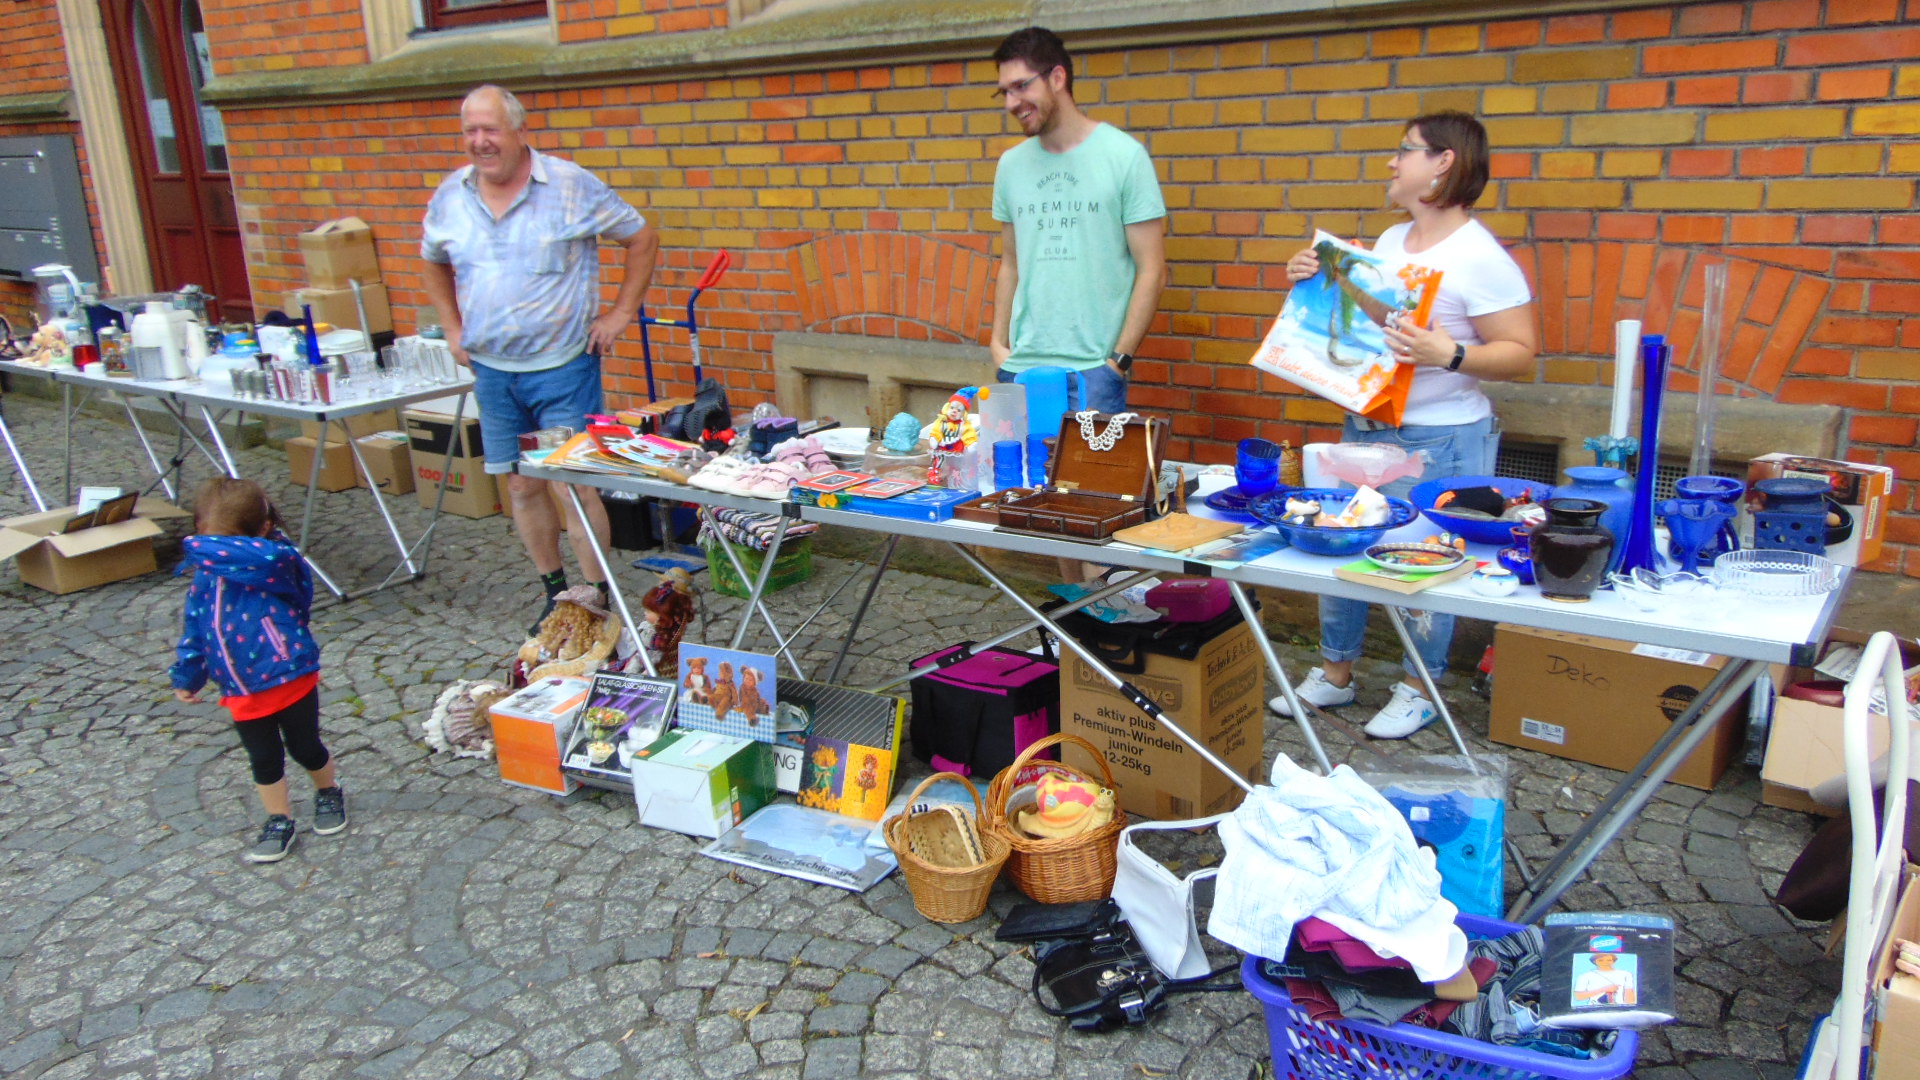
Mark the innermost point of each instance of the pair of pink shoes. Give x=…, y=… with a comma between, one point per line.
x=791, y=462
x=806, y=454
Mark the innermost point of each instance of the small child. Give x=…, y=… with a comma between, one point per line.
x=246, y=629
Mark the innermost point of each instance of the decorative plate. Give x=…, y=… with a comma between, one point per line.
x=1415, y=558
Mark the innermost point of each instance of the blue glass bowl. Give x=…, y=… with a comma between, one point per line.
x=1476, y=530
x=1321, y=540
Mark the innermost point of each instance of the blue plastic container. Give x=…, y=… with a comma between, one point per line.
x=920, y=504
x=1360, y=1050
x=1476, y=530
x=1320, y=540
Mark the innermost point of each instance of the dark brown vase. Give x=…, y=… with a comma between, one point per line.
x=1571, y=550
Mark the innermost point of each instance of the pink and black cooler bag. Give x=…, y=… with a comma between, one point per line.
x=980, y=709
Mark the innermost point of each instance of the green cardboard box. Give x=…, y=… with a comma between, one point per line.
x=701, y=783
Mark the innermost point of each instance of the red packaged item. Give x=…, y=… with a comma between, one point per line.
x=1191, y=600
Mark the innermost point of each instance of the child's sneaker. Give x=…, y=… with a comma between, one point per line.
x=329, y=811
x=276, y=839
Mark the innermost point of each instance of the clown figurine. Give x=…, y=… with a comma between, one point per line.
x=950, y=434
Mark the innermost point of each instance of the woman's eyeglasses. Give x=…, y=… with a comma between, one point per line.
x=1411, y=148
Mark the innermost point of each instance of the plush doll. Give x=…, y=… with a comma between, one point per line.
x=669, y=608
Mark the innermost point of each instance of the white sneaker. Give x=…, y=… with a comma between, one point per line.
x=1315, y=691
x=1406, y=712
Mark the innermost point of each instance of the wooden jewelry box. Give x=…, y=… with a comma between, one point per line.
x=1091, y=494
x=986, y=508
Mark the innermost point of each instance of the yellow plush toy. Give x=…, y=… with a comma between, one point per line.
x=1066, y=807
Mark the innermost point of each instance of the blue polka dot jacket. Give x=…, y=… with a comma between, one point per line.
x=246, y=615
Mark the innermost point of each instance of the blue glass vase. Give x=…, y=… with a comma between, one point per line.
x=1605, y=485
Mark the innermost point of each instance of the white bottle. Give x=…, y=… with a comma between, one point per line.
x=196, y=353
x=156, y=344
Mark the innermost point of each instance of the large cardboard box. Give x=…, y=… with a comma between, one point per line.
x=1865, y=490
x=1603, y=702
x=700, y=782
x=339, y=252
x=528, y=730
x=471, y=490
x=389, y=462
x=336, y=466
x=64, y=562
x=336, y=306
x=373, y=423
x=1215, y=696
x=1896, y=1022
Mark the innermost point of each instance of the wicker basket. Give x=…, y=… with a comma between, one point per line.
x=1057, y=871
x=949, y=863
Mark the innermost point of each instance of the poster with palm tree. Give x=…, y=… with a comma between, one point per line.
x=1328, y=337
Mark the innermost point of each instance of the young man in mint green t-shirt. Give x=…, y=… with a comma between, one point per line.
x=1082, y=260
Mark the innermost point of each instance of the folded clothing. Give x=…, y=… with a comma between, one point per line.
x=748, y=529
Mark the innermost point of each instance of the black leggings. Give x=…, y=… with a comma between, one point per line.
x=295, y=728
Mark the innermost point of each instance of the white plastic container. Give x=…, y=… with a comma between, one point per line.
x=155, y=353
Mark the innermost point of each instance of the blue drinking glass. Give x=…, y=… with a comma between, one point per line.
x=1257, y=466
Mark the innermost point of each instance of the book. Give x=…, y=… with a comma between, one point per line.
x=812, y=845
x=1607, y=970
x=1366, y=572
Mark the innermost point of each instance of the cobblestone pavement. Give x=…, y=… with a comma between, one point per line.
x=464, y=928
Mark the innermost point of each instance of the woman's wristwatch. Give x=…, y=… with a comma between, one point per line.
x=1459, y=357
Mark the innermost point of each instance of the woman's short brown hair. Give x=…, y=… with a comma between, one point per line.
x=229, y=506
x=1462, y=134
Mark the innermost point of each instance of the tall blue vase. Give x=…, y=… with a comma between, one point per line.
x=1605, y=485
x=1654, y=355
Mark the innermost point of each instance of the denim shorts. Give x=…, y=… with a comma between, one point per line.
x=514, y=403
x=1106, y=388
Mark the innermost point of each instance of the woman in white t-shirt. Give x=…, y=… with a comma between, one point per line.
x=1482, y=327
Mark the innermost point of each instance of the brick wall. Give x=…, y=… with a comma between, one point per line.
x=1634, y=148
x=591, y=20
x=283, y=34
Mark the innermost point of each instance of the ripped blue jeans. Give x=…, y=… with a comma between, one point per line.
x=1449, y=450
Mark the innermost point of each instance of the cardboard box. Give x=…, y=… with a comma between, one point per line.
x=701, y=783
x=1603, y=702
x=65, y=562
x=471, y=491
x=336, y=467
x=1896, y=1013
x=373, y=423
x=336, y=306
x=528, y=729
x=389, y=462
x=1865, y=490
x=339, y=252
x=1217, y=697
x=1804, y=743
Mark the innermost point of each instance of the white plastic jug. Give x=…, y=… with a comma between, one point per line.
x=155, y=353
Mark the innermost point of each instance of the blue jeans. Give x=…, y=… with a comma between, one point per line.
x=1449, y=450
x=514, y=403
x=1106, y=388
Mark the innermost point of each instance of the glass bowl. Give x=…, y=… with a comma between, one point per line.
x=1769, y=572
x=1325, y=540
x=1497, y=532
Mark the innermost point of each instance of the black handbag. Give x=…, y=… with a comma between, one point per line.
x=1089, y=967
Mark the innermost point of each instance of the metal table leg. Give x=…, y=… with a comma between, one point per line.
x=754, y=596
x=1127, y=689
x=1092, y=598
x=380, y=505
x=860, y=614
x=1623, y=804
x=618, y=597
x=153, y=458
x=1247, y=612
x=20, y=465
x=306, y=514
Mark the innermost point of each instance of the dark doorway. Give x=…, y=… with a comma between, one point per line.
x=179, y=149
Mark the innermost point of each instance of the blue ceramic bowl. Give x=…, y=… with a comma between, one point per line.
x=1476, y=530
x=1319, y=540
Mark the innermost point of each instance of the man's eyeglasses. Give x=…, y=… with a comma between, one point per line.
x=1019, y=88
x=1411, y=148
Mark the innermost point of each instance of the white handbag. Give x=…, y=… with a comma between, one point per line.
x=1158, y=903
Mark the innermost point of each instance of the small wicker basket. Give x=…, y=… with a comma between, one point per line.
x=950, y=864
x=1064, y=870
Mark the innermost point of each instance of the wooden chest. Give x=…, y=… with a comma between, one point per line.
x=1091, y=494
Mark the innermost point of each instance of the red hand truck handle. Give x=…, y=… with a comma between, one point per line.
x=721, y=261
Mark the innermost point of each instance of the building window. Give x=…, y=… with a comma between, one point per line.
x=442, y=14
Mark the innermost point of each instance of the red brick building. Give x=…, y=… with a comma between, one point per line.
x=844, y=151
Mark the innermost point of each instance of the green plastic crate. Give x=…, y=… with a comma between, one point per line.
x=794, y=566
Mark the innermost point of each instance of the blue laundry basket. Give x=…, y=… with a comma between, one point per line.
x=1360, y=1050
